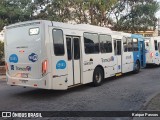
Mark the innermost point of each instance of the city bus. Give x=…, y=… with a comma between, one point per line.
x=152, y=46
x=129, y=51
x=53, y=55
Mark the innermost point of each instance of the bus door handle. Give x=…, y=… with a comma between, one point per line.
x=91, y=59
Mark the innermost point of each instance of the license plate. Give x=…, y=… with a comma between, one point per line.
x=23, y=81
x=24, y=75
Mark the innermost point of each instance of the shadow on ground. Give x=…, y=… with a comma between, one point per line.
x=151, y=66
x=45, y=94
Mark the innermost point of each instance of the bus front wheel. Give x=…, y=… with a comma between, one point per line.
x=98, y=76
x=137, y=67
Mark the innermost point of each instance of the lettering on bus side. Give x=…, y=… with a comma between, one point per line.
x=88, y=63
x=28, y=68
x=108, y=59
x=128, y=57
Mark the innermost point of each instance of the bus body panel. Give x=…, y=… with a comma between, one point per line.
x=127, y=62
x=21, y=57
x=24, y=54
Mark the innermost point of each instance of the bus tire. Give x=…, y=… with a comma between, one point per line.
x=137, y=67
x=98, y=76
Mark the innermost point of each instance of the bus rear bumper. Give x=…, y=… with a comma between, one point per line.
x=153, y=62
x=27, y=82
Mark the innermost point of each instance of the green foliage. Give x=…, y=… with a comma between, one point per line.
x=129, y=15
x=12, y=11
x=1, y=50
x=139, y=16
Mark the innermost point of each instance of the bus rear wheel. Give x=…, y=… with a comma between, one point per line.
x=98, y=76
x=137, y=67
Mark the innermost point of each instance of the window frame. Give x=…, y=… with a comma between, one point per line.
x=158, y=46
x=155, y=46
x=94, y=46
x=100, y=44
x=133, y=44
x=69, y=58
x=54, y=42
x=116, y=47
x=126, y=44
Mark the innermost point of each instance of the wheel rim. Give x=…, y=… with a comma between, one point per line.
x=137, y=66
x=98, y=77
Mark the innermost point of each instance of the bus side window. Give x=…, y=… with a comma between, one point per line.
x=58, y=42
x=125, y=44
x=147, y=44
x=115, y=47
x=105, y=43
x=91, y=43
x=130, y=44
x=155, y=45
x=76, y=48
x=119, y=47
x=159, y=46
x=69, y=48
x=135, y=44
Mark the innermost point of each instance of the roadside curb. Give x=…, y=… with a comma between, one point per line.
x=149, y=99
x=144, y=107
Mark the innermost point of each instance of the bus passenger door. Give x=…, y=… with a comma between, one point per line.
x=142, y=54
x=58, y=63
x=118, y=55
x=73, y=51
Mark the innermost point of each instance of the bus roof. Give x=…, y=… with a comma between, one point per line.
x=83, y=27
x=27, y=23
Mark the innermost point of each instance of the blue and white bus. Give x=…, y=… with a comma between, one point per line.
x=53, y=55
x=152, y=46
x=132, y=56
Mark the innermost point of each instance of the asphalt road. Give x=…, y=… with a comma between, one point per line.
x=128, y=92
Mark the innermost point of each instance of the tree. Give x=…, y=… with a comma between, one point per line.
x=55, y=10
x=1, y=50
x=12, y=11
x=139, y=15
x=123, y=15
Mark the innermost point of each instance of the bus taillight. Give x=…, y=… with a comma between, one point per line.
x=151, y=54
x=44, y=66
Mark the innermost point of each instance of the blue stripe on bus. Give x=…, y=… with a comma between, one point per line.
x=139, y=55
